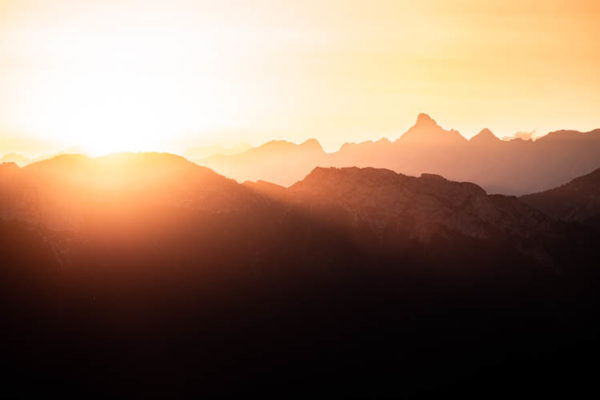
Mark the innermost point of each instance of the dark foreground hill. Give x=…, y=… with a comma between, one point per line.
x=148, y=276
x=577, y=201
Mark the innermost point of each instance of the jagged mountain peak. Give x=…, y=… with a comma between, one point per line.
x=485, y=136
x=425, y=119
x=426, y=130
x=312, y=144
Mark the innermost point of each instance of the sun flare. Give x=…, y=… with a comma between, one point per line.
x=100, y=96
x=112, y=76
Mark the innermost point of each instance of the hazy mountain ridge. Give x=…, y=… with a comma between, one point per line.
x=275, y=161
x=513, y=167
x=484, y=136
x=510, y=167
x=70, y=192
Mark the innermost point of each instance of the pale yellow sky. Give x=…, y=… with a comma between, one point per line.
x=112, y=75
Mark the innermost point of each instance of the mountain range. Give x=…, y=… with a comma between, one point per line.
x=147, y=275
x=514, y=167
x=76, y=193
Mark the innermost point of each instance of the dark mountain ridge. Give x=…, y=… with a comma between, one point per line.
x=145, y=275
x=576, y=201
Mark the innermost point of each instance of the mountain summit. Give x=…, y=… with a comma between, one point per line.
x=427, y=131
x=484, y=136
x=312, y=144
x=424, y=120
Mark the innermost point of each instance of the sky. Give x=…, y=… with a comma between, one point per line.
x=123, y=75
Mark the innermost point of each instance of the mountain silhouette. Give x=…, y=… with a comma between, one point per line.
x=578, y=200
x=484, y=137
x=427, y=132
x=74, y=191
x=512, y=167
x=277, y=161
x=423, y=207
x=146, y=275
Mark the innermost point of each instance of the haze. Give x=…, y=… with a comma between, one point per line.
x=99, y=77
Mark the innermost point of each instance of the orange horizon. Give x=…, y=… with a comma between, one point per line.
x=238, y=148
x=91, y=77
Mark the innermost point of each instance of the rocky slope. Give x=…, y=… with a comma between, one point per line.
x=578, y=200
x=424, y=206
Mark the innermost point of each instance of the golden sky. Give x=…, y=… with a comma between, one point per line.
x=113, y=75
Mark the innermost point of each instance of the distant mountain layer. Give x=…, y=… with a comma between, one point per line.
x=277, y=161
x=578, y=200
x=508, y=167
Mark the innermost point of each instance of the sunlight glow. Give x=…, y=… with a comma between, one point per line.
x=103, y=97
x=142, y=75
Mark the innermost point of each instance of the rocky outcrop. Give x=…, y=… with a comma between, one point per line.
x=425, y=206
